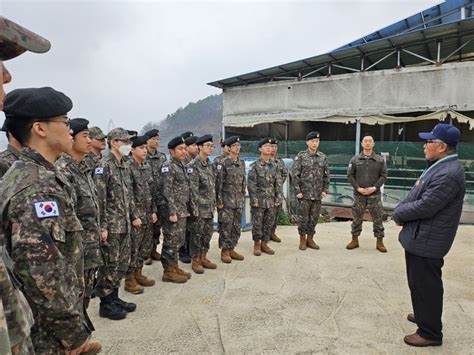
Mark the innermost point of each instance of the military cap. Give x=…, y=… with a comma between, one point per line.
x=274, y=141
x=204, y=139
x=175, y=142
x=36, y=103
x=138, y=141
x=119, y=134
x=96, y=133
x=187, y=134
x=15, y=40
x=264, y=141
x=132, y=133
x=152, y=133
x=312, y=135
x=78, y=125
x=231, y=140
x=190, y=140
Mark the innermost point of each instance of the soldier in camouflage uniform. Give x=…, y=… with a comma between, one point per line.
x=230, y=194
x=264, y=186
x=174, y=192
x=97, y=146
x=145, y=209
x=311, y=181
x=9, y=155
x=112, y=177
x=367, y=173
x=217, y=160
x=155, y=160
x=202, y=205
x=283, y=172
x=42, y=232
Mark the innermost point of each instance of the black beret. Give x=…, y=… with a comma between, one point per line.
x=139, y=140
x=264, y=141
x=175, y=142
x=132, y=133
x=152, y=133
x=274, y=141
x=36, y=103
x=78, y=125
x=187, y=134
x=203, y=139
x=231, y=140
x=312, y=135
x=190, y=140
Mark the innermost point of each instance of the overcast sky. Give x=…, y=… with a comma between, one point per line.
x=137, y=61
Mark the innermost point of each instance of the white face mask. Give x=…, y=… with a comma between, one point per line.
x=125, y=149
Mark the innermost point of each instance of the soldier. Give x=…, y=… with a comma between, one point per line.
x=145, y=209
x=283, y=172
x=72, y=165
x=264, y=186
x=367, y=173
x=42, y=231
x=311, y=181
x=174, y=192
x=217, y=160
x=11, y=154
x=230, y=191
x=202, y=205
x=97, y=146
x=117, y=215
x=155, y=160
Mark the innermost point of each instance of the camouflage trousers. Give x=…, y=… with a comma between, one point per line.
x=89, y=281
x=262, y=223
x=308, y=216
x=157, y=232
x=275, y=223
x=201, y=233
x=173, y=238
x=116, y=251
x=141, y=245
x=374, y=205
x=229, y=227
x=92, y=255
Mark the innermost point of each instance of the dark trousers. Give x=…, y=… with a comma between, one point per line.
x=426, y=288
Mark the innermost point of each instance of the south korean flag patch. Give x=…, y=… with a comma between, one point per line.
x=190, y=170
x=165, y=169
x=46, y=209
x=99, y=171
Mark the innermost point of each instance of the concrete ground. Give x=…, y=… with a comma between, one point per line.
x=331, y=301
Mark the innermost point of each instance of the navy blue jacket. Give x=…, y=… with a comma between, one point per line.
x=431, y=212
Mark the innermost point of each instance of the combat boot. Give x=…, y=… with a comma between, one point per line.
x=93, y=348
x=310, y=243
x=353, y=244
x=266, y=249
x=234, y=255
x=131, y=285
x=274, y=238
x=127, y=306
x=148, y=261
x=155, y=255
x=108, y=309
x=143, y=280
x=257, y=248
x=302, y=242
x=225, y=256
x=206, y=263
x=170, y=275
x=379, y=246
x=181, y=271
x=196, y=265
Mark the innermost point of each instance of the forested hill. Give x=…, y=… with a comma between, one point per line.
x=204, y=116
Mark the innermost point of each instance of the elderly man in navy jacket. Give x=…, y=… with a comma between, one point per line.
x=430, y=216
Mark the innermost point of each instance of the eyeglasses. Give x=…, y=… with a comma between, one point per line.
x=208, y=145
x=433, y=141
x=67, y=122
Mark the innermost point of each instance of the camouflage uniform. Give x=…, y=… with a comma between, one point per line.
x=367, y=171
x=117, y=209
x=7, y=158
x=174, y=193
x=283, y=172
x=230, y=192
x=43, y=237
x=145, y=206
x=217, y=161
x=202, y=205
x=91, y=160
x=311, y=178
x=264, y=186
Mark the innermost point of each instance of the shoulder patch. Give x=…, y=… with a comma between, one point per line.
x=46, y=209
x=190, y=170
x=296, y=158
x=350, y=165
x=219, y=166
x=98, y=171
x=165, y=169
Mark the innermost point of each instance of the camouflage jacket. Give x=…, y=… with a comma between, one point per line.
x=367, y=171
x=230, y=183
x=155, y=161
x=7, y=158
x=263, y=184
x=174, y=191
x=217, y=161
x=43, y=237
x=311, y=174
x=86, y=204
x=281, y=168
x=112, y=178
x=91, y=161
x=202, y=187
x=142, y=185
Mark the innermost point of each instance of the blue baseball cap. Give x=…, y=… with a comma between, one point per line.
x=444, y=132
